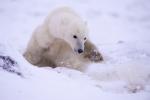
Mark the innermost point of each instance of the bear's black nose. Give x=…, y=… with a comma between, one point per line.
x=80, y=50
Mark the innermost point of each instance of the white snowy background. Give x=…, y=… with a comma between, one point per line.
x=120, y=29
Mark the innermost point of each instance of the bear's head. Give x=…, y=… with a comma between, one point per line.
x=73, y=31
x=76, y=36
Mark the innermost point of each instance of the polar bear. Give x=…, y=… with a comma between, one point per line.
x=62, y=40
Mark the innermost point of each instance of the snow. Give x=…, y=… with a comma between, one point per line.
x=119, y=28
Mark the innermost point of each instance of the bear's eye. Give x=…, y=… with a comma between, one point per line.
x=74, y=36
x=85, y=38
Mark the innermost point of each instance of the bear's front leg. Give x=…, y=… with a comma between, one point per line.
x=33, y=55
x=91, y=52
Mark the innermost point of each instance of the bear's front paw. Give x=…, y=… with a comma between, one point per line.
x=94, y=56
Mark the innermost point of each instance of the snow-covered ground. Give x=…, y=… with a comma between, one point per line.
x=121, y=30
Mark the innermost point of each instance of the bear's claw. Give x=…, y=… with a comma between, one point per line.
x=96, y=56
x=93, y=56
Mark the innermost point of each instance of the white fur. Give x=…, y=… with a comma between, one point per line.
x=63, y=23
x=55, y=36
